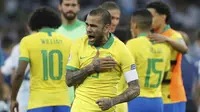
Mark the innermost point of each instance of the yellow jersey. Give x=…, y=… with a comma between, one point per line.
x=98, y=85
x=152, y=61
x=47, y=52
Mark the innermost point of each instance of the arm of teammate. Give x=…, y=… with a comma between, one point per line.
x=76, y=77
x=178, y=44
x=18, y=78
x=133, y=90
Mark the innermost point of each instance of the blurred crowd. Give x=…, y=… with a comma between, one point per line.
x=185, y=17
x=14, y=13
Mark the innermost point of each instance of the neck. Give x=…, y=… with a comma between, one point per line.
x=161, y=28
x=68, y=22
x=104, y=40
x=142, y=31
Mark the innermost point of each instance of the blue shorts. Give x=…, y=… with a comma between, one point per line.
x=175, y=107
x=51, y=109
x=141, y=104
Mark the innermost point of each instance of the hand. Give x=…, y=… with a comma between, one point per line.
x=104, y=103
x=103, y=64
x=14, y=106
x=158, y=38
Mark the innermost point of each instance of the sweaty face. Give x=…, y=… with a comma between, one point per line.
x=69, y=8
x=115, y=13
x=157, y=19
x=95, y=30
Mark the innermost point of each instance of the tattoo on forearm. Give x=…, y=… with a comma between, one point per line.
x=96, y=65
x=132, y=92
x=75, y=78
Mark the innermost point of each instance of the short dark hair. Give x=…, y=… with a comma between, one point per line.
x=44, y=17
x=143, y=19
x=109, y=5
x=103, y=13
x=161, y=8
x=6, y=42
x=61, y=1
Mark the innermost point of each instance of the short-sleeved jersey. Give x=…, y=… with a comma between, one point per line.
x=152, y=61
x=173, y=91
x=73, y=31
x=47, y=52
x=99, y=85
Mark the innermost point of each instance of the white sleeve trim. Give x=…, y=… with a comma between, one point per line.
x=131, y=75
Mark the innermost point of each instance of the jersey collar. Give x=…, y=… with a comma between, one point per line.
x=166, y=28
x=109, y=42
x=72, y=26
x=143, y=35
x=47, y=30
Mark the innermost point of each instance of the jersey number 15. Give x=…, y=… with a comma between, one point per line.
x=152, y=70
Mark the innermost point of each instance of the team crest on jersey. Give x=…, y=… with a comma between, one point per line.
x=133, y=66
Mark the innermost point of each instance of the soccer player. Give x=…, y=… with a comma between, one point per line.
x=71, y=27
x=152, y=61
x=9, y=68
x=115, y=12
x=173, y=92
x=47, y=53
x=96, y=65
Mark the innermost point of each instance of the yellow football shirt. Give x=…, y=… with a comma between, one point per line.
x=98, y=85
x=152, y=61
x=47, y=52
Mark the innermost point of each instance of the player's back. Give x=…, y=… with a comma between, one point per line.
x=48, y=55
x=152, y=60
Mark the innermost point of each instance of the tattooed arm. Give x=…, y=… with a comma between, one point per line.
x=129, y=94
x=75, y=78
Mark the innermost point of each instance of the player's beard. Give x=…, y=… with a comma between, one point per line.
x=69, y=15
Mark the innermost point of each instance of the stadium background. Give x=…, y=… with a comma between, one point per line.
x=185, y=17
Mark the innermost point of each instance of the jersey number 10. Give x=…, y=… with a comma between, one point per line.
x=48, y=64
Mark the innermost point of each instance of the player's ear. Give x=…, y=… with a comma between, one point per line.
x=107, y=28
x=78, y=7
x=164, y=17
x=28, y=28
x=135, y=26
x=59, y=7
